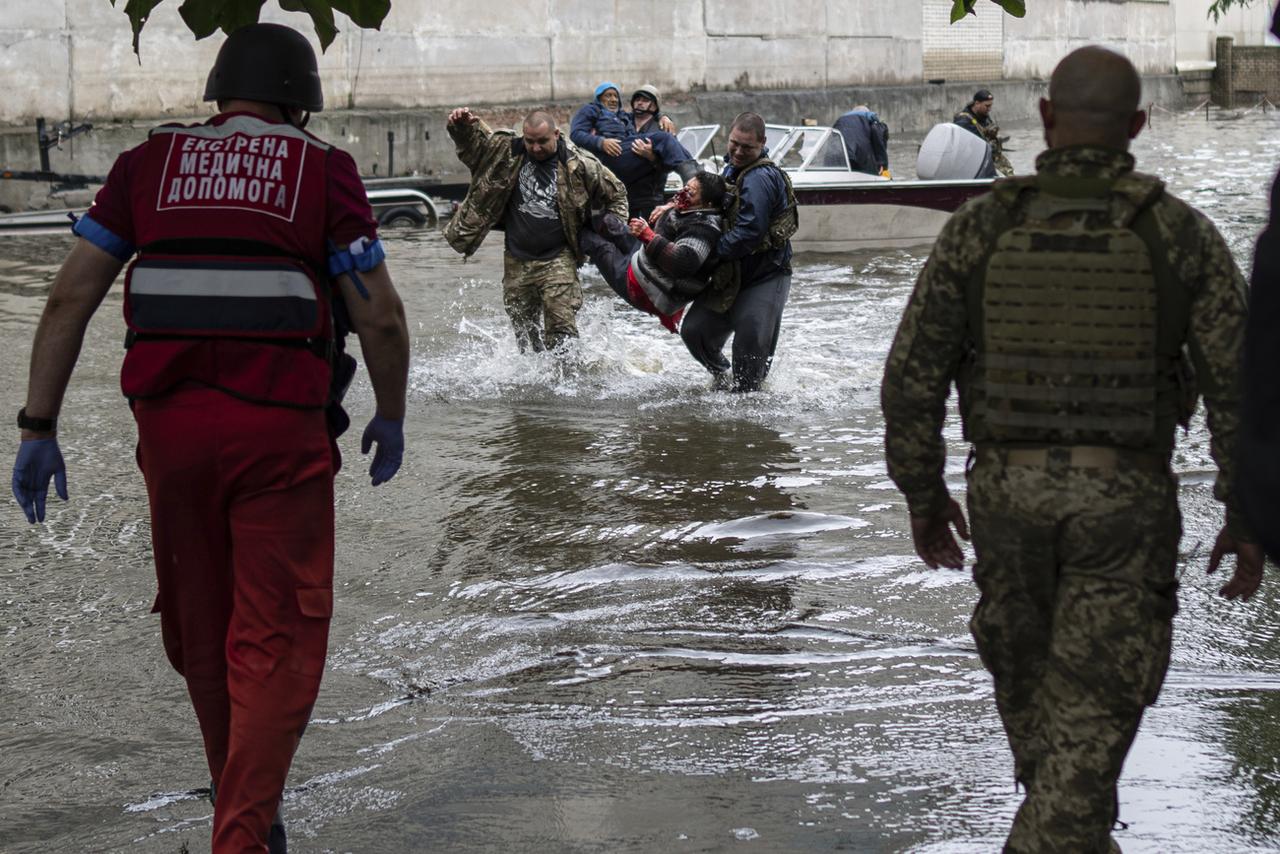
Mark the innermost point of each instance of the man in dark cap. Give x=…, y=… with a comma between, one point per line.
x=256, y=251
x=976, y=118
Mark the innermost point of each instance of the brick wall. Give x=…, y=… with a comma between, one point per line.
x=1245, y=74
x=970, y=49
x=1256, y=71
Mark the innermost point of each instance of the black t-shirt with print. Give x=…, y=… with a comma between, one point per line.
x=534, y=231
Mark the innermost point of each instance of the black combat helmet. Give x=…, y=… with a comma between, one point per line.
x=268, y=63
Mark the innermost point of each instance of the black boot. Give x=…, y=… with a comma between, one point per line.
x=613, y=228
x=686, y=170
x=277, y=842
x=592, y=245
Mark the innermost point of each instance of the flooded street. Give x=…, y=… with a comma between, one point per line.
x=604, y=609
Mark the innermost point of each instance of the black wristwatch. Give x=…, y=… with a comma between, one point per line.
x=38, y=425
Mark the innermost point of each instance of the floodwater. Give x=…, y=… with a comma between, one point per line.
x=603, y=609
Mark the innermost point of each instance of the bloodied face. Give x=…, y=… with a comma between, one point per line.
x=693, y=193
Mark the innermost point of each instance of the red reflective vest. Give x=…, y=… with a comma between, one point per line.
x=226, y=290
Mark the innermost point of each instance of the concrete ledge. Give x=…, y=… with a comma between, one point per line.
x=1193, y=65
x=423, y=147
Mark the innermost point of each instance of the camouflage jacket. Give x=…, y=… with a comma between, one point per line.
x=937, y=330
x=583, y=184
x=985, y=128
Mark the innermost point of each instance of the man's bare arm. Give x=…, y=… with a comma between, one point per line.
x=77, y=291
x=384, y=337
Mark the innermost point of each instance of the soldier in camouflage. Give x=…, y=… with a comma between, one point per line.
x=977, y=119
x=1065, y=307
x=540, y=190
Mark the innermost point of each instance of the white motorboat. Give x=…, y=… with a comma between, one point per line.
x=843, y=210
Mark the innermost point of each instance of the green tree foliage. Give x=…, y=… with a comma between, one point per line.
x=1018, y=8
x=205, y=17
x=960, y=8
x=1218, y=7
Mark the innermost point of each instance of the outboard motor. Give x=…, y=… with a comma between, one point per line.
x=949, y=152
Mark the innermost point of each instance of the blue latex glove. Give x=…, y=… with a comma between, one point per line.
x=37, y=461
x=389, y=435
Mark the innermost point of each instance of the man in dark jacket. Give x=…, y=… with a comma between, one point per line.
x=751, y=286
x=976, y=118
x=866, y=139
x=663, y=151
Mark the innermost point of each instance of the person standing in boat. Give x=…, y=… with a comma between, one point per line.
x=1064, y=307
x=977, y=119
x=235, y=377
x=866, y=140
x=749, y=288
x=541, y=192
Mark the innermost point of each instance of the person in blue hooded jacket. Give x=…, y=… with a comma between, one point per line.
x=641, y=159
x=601, y=122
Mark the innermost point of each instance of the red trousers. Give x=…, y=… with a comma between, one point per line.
x=242, y=529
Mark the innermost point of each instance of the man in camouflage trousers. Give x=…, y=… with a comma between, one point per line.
x=977, y=119
x=541, y=191
x=1065, y=307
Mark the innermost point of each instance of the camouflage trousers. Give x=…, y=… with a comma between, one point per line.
x=1003, y=167
x=542, y=299
x=1076, y=568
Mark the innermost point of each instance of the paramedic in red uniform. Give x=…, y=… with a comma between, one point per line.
x=254, y=240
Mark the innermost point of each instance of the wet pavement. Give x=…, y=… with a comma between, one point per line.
x=602, y=608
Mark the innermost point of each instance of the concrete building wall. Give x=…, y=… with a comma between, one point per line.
x=1196, y=32
x=1142, y=30
x=73, y=58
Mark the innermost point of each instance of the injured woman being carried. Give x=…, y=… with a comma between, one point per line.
x=661, y=266
x=639, y=146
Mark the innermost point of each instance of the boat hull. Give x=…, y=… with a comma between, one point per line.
x=879, y=215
